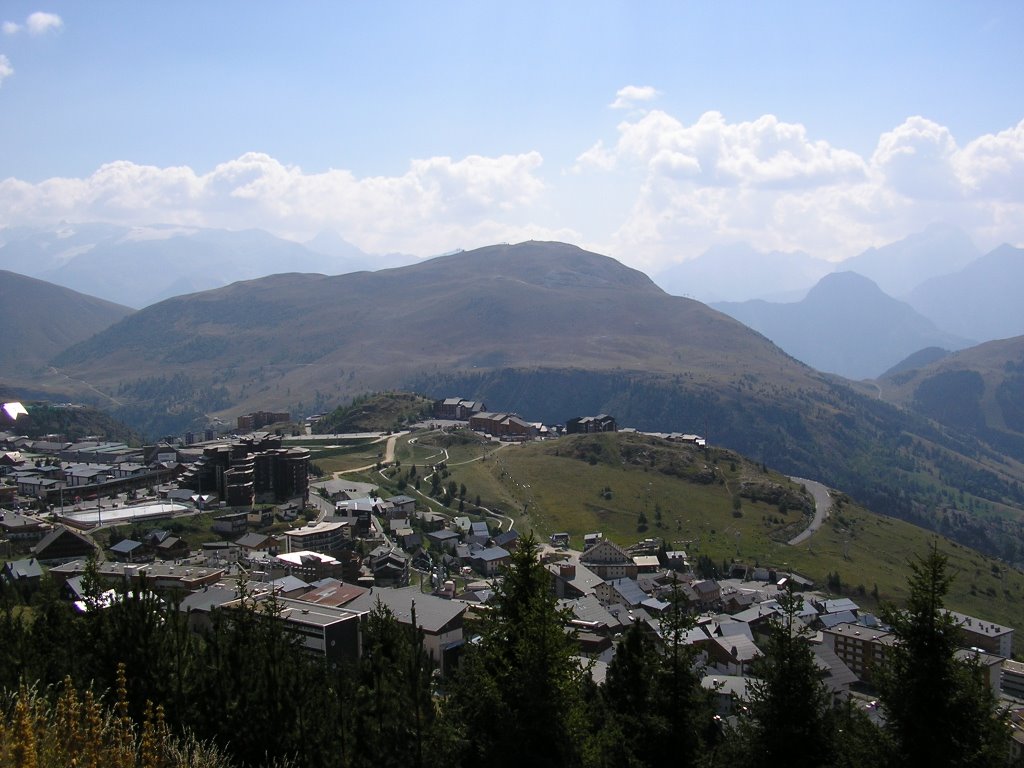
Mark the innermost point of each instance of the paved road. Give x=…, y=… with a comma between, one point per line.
x=822, y=504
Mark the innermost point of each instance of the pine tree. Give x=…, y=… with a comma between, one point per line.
x=628, y=692
x=516, y=700
x=791, y=721
x=678, y=687
x=658, y=711
x=939, y=707
x=394, y=710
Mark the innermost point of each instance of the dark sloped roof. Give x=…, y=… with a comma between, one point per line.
x=62, y=542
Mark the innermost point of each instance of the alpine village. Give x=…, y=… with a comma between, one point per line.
x=515, y=506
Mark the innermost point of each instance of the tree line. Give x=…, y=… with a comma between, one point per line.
x=245, y=694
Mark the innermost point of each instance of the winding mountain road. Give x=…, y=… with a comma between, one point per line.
x=822, y=504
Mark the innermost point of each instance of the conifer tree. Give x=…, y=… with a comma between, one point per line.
x=791, y=720
x=395, y=713
x=516, y=700
x=639, y=727
x=938, y=705
x=657, y=710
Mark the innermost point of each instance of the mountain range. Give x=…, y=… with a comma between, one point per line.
x=740, y=272
x=138, y=266
x=846, y=325
x=552, y=331
x=936, y=271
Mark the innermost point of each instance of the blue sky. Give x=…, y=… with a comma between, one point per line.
x=648, y=131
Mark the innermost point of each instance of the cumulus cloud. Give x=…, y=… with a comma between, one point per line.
x=917, y=159
x=6, y=70
x=627, y=97
x=437, y=202
x=769, y=182
x=764, y=152
x=992, y=166
x=40, y=22
x=11, y=28
x=658, y=189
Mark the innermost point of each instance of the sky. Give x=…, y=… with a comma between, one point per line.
x=646, y=131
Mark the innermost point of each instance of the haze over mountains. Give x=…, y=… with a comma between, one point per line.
x=981, y=301
x=845, y=325
x=741, y=272
x=139, y=266
x=858, y=326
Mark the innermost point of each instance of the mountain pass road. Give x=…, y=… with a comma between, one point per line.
x=822, y=504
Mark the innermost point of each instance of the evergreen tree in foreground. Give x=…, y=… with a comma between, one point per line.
x=939, y=707
x=791, y=720
x=394, y=711
x=658, y=713
x=517, y=698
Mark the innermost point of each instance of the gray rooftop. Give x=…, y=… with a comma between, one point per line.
x=432, y=613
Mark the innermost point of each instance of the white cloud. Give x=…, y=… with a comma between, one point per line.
x=6, y=70
x=992, y=166
x=11, y=28
x=764, y=152
x=436, y=203
x=657, y=190
x=768, y=182
x=40, y=22
x=598, y=156
x=627, y=97
x=916, y=158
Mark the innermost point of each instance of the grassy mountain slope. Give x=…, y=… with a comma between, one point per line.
x=919, y=359
x=41, y=319
x=552, y=332
x=375, y=413
x=585, y=483
x=979, y=391
x=284, y=339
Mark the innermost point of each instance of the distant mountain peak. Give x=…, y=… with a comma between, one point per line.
x=900, y=266
x=330, y=243
x=846, y=324
x=739, y=271
x=981, y=300
x=846, y=286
